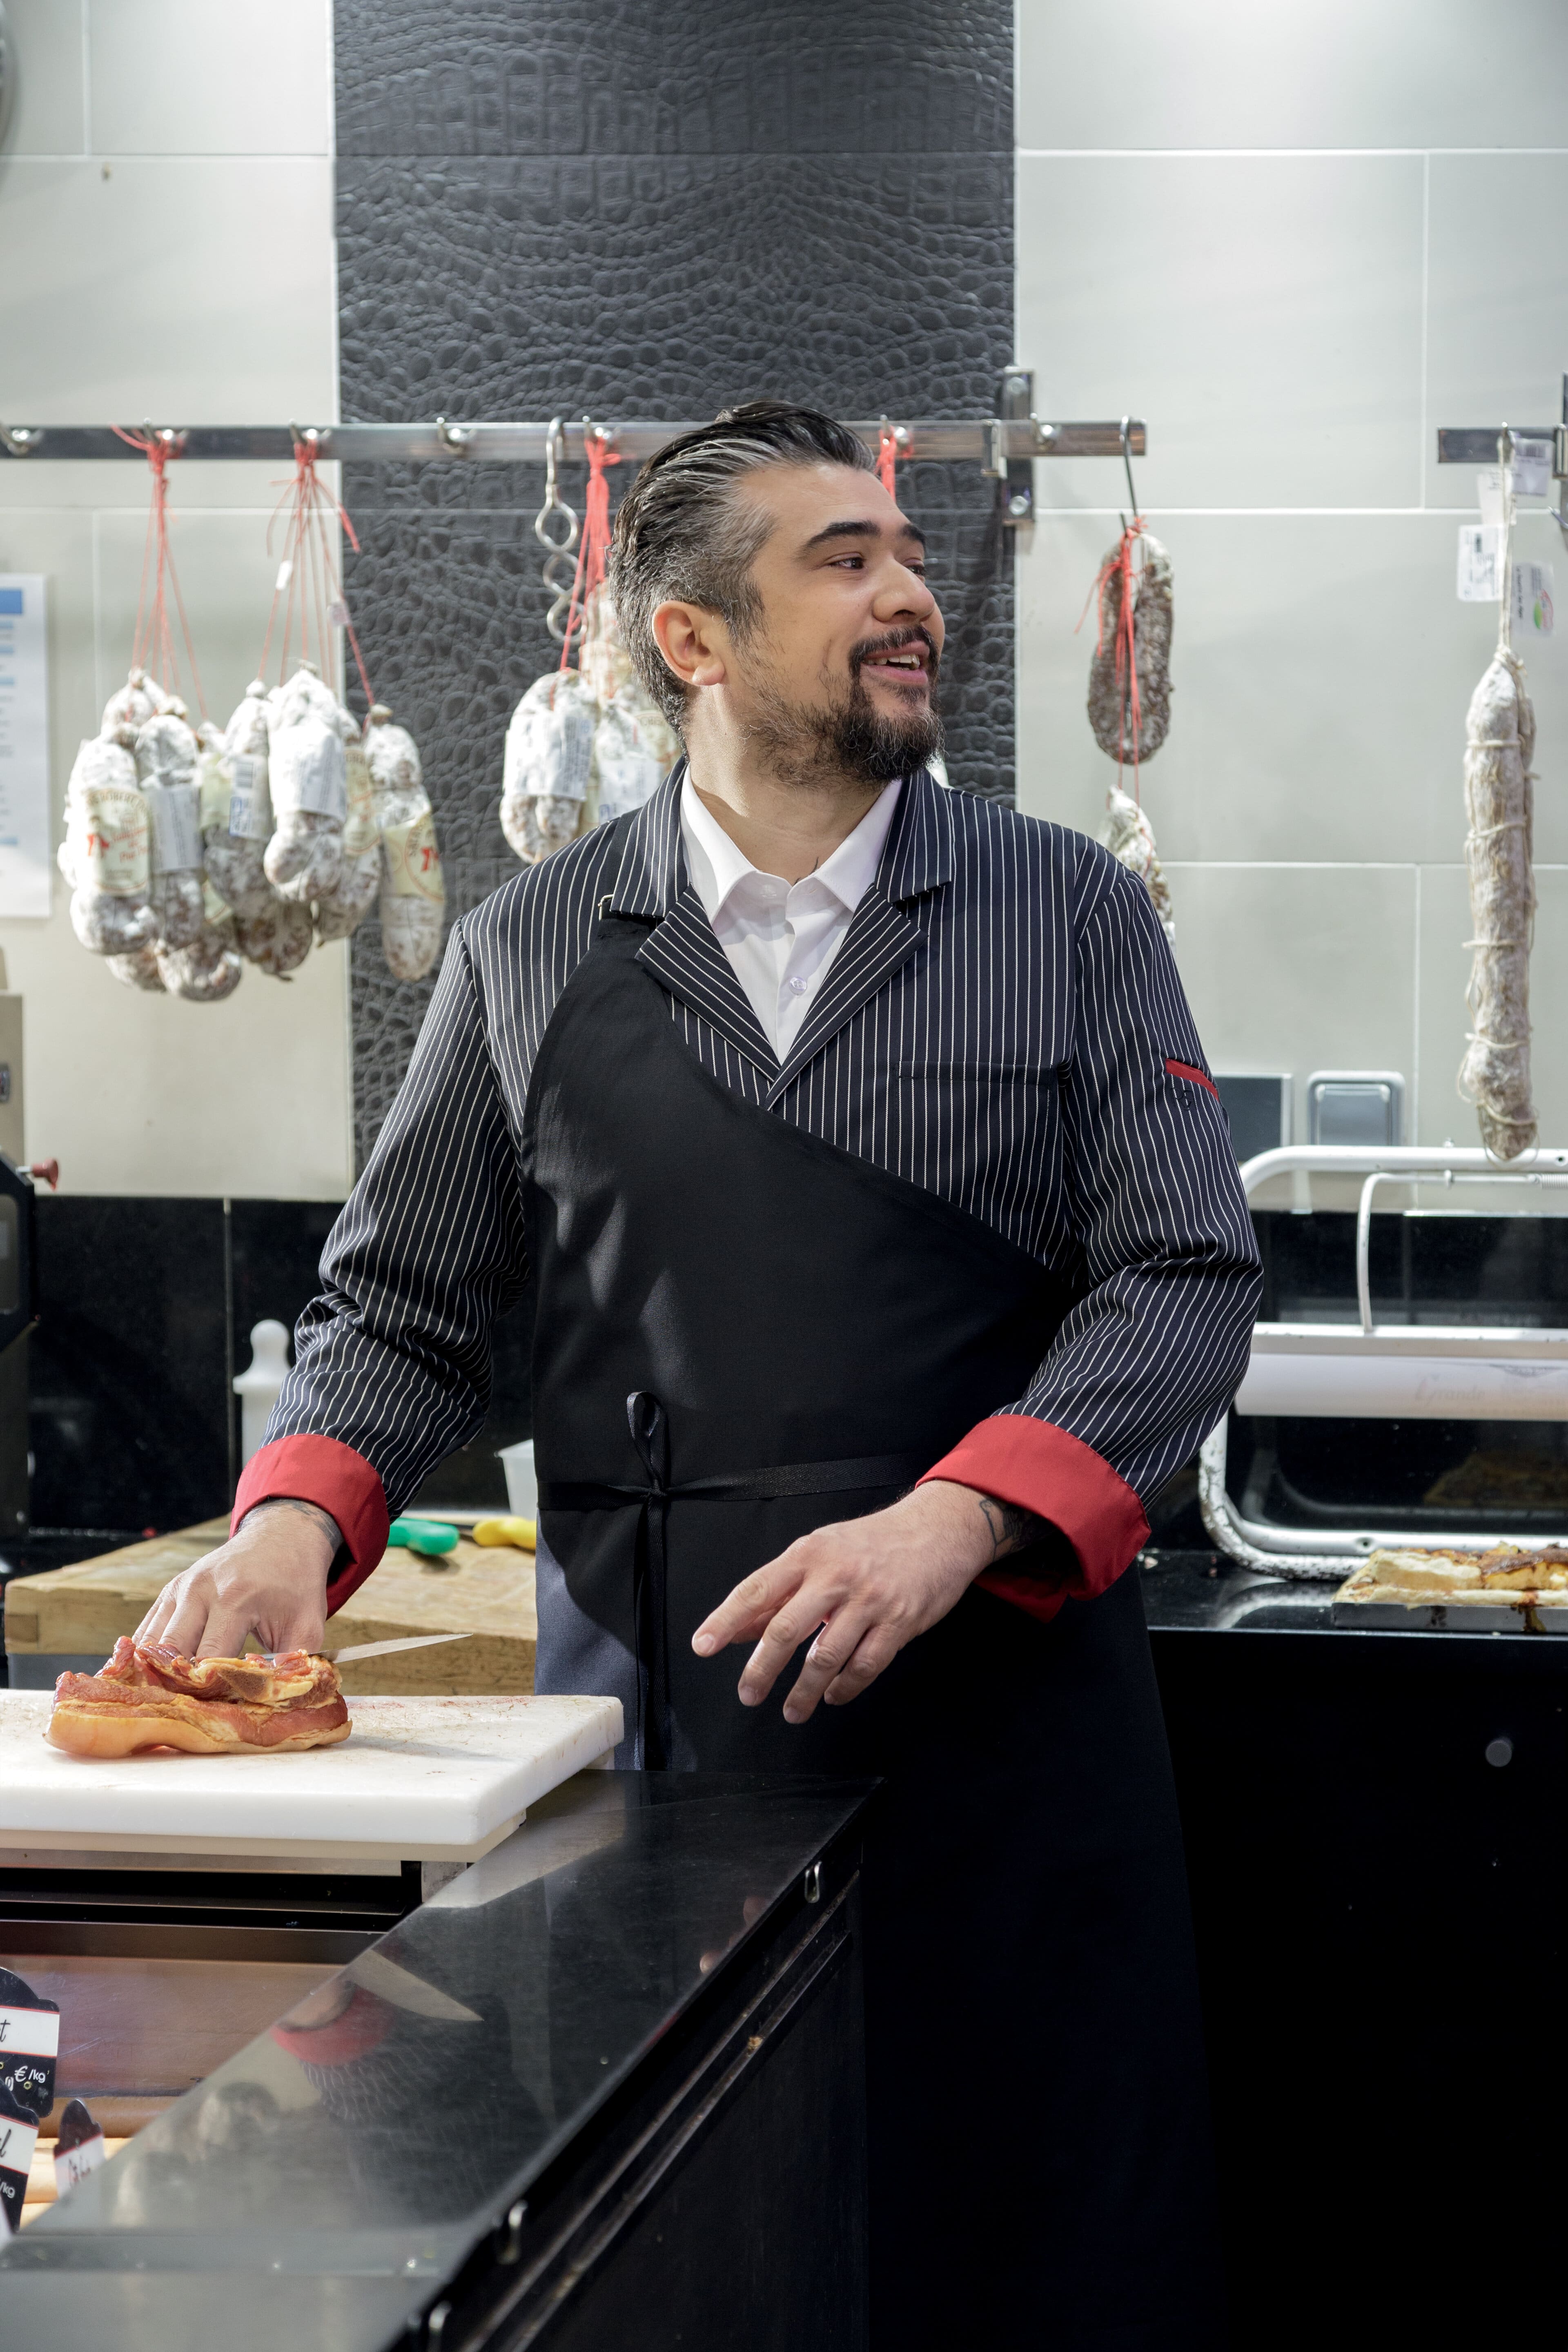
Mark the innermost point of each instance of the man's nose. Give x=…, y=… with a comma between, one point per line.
x=904, y=595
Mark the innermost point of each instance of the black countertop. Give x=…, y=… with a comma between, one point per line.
x=338, y=2169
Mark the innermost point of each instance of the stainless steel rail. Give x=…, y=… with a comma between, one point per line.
x=990, y=442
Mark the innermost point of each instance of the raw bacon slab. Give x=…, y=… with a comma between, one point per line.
x=148, y=1697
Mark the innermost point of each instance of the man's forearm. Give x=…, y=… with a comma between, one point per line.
x=1011, y=1528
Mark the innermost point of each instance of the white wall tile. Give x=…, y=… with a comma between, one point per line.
x=1300, y=968
x=1445, y=1018
x=1262, y=314
x=189, y=77
x=47, y=51
x=1259, y=73
x=227, y=577
x=1322, y=664
x=1497, y=342
x=175, y=287
x=143, y=1094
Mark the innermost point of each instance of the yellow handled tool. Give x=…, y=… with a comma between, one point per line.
x=520, y=1532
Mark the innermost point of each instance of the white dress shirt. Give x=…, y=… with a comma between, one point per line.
x=781, y=937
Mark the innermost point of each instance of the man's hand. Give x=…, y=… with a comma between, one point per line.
x=269, y=1580
x=870, y=1584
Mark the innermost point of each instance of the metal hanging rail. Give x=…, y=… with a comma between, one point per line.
x=991, y=442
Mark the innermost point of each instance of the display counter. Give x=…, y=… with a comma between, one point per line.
x=1376, y=1827
x=606, y=2082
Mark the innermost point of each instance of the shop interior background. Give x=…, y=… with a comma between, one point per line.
x=249, y=216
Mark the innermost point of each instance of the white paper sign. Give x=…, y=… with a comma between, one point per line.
x=1480, y=562
x=1532, y=613
x=26, y=865
x=176, y=813
x=72, y=2165
x=1489, y=493
x=1531, y=467
x=30, y=2032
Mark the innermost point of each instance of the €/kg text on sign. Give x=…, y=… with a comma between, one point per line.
x=24, y=863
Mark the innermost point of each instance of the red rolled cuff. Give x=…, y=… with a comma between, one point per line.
x=333, y=1476
x=1043, y=1469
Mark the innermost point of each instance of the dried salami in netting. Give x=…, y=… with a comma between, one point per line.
x=1499, y=802
x=413, y=889
x=1129, y=694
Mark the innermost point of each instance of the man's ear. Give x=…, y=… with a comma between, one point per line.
x=694, y=643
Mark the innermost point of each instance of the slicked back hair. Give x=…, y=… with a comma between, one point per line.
x=682, y=532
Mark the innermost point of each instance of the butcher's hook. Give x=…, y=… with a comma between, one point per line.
x=554, y=504
x=1127, y=462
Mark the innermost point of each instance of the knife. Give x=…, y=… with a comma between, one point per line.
x=378, y=1649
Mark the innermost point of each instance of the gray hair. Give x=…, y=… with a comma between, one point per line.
x=681, y=532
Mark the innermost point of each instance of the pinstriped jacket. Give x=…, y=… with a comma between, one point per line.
x=1003, y=1025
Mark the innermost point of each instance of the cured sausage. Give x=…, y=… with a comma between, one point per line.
x=1499, y=801
x=166, y=751
x=104, y=855
x=308, y=731
x=413, y=890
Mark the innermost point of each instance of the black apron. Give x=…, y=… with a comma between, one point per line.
x=744, y=1333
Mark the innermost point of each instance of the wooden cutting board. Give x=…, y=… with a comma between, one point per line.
x=419, y=1779
x=485, y=1592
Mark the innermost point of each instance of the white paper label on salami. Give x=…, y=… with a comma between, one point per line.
x=360, y=831
x=215, y=778
x=72, y=2165
x=1533, y=609
x=1480, y=562
x=176, y=813
x=308, y=771
x=565, y=742
x=109, y=831
x=412, y=860
x=250, y=808
x=285, y=574
x=30, y=2033
x=626, y=783
x=17, y=2141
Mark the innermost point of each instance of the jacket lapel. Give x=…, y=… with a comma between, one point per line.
x=682, y=950
x=683, y=953
x=918, y=858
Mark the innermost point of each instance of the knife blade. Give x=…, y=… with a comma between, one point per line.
x=384, y=1649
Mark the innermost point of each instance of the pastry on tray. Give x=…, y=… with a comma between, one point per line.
x=1505, y=1572
x=148, y=1697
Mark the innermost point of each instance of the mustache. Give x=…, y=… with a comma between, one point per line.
x=894, y=642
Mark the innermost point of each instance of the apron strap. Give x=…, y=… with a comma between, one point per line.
x=650, y=1427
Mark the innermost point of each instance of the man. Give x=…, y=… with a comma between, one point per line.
x=888, y=1250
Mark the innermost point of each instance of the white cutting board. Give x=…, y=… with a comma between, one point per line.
x=419, y=1779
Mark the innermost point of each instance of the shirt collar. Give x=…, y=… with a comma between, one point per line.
x=918, y=855
x=718, y=866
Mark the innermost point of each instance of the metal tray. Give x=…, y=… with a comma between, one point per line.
x=1417, y=1616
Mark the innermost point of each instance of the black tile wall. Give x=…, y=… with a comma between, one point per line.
x=611, y=209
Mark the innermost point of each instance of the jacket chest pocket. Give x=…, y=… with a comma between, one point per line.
x=989, y=1131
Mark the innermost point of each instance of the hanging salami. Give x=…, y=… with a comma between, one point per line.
x=1130, y=693
x=1499, y=802
x=104, y=857
x=413, y=890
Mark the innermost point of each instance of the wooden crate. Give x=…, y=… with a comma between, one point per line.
x=485, y=1594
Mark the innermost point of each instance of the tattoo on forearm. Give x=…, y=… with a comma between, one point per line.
x=313, y=1511
x=1012, y=1529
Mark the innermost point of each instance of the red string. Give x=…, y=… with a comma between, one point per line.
x=312, y=575
x=593, y=554
x=153, y=647
x=1119, y=565
x=887, y=460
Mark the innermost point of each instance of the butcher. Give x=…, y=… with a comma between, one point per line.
x=889, y=1253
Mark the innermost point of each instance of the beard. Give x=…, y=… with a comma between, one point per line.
x=808, y=744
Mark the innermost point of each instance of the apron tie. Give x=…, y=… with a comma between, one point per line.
x=650, y=1426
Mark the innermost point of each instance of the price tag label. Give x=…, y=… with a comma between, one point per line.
x=412, y=860
x=1531, y=611
x=1531, y=467
x=1480, y=562
x=250, y=808
x=176, y=813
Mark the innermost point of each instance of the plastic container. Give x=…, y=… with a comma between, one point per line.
x=521, y=1485
x=256, y=1387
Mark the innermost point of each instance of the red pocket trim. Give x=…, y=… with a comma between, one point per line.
x=1185, y=1070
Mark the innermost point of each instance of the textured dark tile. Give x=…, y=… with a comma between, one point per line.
x=129, y=1419
x=701, y=78
x=624, y=212
x=667, y=288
